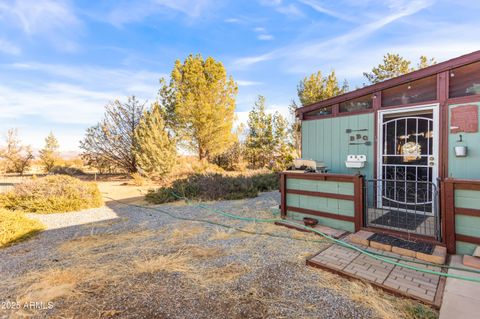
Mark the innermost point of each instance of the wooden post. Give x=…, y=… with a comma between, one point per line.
x=283, y=195
x=358, y=202
x=449, y=214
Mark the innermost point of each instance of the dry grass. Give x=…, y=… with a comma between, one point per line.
x=222, y=274
x=180, y=261
x=85, y=245
x=67, y=283
x=204, y=252
x=183, y=232
x=15, y=226
x=52, y=284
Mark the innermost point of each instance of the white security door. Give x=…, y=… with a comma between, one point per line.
x=408, y=159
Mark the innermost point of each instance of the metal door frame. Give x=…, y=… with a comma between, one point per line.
x=434, y=108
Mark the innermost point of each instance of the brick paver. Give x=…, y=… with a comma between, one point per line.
x=408, y=281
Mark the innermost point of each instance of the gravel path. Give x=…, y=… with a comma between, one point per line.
x=130, y=262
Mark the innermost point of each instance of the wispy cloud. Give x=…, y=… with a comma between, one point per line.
x=134, y=11
x=321, y=48
x=289, y=10
x=233, y=20
x=71, y=94
x=317, y=6
x=53, y=20
x=9, y=48
x=263, y=34
x=139, y=82
x=265, y=37
x=38, y=16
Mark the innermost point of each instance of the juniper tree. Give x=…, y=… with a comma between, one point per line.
x=49, y=155
x=112, y=140
x=154, y=150
x=199, y=103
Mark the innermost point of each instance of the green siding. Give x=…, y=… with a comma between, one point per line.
x=327, y=205
x=334, y=223
x=467, y=199
x=344, y=188
x=326, y=140
x=465, y=248
x=464, y=167
x=467, y=225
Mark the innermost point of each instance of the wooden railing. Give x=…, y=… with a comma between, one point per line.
x=455, y=205
x=310, y=187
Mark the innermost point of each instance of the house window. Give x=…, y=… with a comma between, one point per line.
x=326, y=110
x=422, y=90
x=465, y=80
x=358, y=104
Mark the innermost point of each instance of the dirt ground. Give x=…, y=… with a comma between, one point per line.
x=145, y=264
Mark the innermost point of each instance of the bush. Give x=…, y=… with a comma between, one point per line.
x=66, y=170
x=52, y=194
x=137, y=179
x=214, y=187
x=15, y=226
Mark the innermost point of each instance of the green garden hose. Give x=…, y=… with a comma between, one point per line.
x=338, y=241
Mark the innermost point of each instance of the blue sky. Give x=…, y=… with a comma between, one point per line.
x=61, y=61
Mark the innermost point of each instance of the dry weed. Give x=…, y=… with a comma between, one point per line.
x=86, y=244
x=204, y=252
x=182, y=232
x=222, y=274
x=181, y=261
x=51, y=284
x=220, y=234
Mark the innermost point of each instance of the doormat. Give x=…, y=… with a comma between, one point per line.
x=402, y=220
x=402, y=243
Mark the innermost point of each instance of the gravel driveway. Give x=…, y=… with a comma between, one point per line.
x=133, y=262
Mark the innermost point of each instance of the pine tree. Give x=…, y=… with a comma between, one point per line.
x=315, y=88
x=154, y=151
x=284, y=150
x=199, y=103
x=268, y=143
x=395, y=65
x=260, y=141
x=49, y=154
x=424, y=62
x=312, y=89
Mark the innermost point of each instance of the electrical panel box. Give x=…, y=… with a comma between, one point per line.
x=356, y=161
